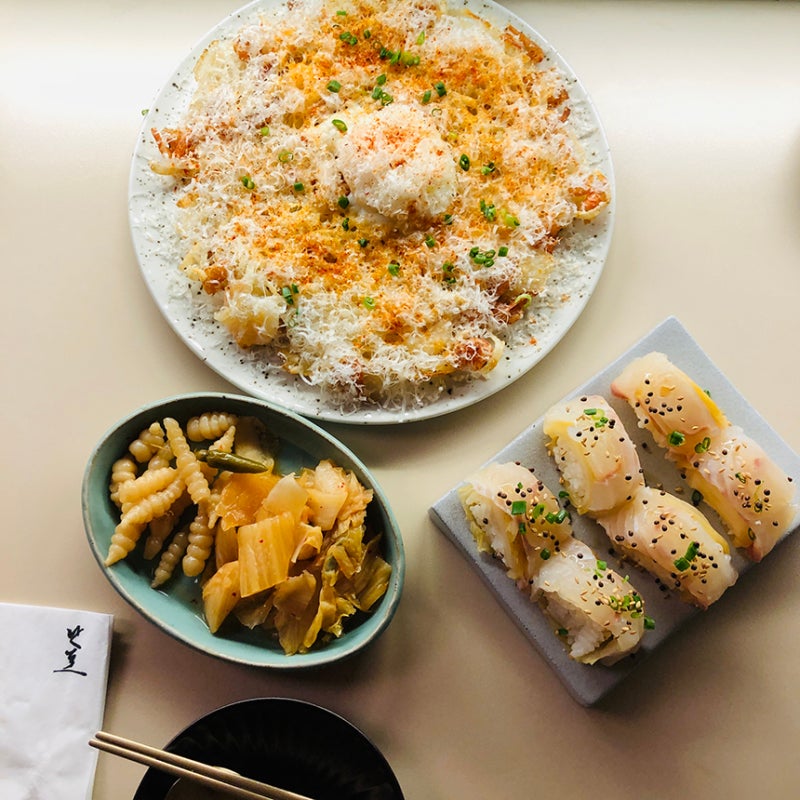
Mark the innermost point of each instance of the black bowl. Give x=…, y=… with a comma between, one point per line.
x=288, y=743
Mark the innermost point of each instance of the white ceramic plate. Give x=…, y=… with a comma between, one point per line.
x=152, y=221
x=588, y=684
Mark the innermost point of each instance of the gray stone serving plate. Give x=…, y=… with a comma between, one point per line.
x=589, y=684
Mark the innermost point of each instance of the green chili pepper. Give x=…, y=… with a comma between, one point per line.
x=232, y=462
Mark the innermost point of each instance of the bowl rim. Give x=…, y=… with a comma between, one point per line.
x=352, y=641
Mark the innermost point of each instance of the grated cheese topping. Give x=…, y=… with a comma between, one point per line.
x=374, y=192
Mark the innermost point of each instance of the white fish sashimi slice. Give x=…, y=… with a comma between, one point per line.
x=514, y=516
x=674, y=541
x=679, y=414
x=598, y=613
x=598, y=462
x=752, y=495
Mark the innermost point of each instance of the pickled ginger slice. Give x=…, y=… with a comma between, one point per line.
x=597, y=613
x=514, y=516
x=675, y=542
x=679, y=414
x=597, y=460
x=752, y=495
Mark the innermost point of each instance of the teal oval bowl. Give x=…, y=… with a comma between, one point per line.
x=176, y=607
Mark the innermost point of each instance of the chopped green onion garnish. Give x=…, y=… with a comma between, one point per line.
x=488, y=210
x=488, y=169
x=502, y=251
x=593, y=412
x=363, y=242
x=430, y=241
x=537, y=510
x=381, y=79
x=346, y=223
x=288, y=292
x=463, y=162
x=376, y=93
x=393, y=268
x=519, y=507
x=741, y=477
x=545, y=554
x=702, y=447
x=339, y=125
x=601, y=565
x=681, y=564
x=510, y=220
x=409, y=59
x=264, y=130
x=248, y=182
x=334, y=86
x=421, y=37
x=343, y=202
x=367, y=34
x=348, y=38
x=369, y=302
x=426, y=97
x=676, y=438
x=284, y=156
x=298, y=187
x=448, y=219
x=649, y=623
x=341, y=13
x=440, y=88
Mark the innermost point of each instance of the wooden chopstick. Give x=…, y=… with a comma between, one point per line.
x=212, y=777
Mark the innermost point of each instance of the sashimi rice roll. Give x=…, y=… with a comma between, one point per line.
x=672, y=540
x=753, y=497
x=595, y=611
x=751, y=494
x=597, y=460
x=514, y=516
x=679, y=414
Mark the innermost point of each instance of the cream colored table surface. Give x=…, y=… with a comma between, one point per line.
x=701, y=104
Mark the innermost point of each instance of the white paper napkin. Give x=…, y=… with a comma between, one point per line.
x=53, y=676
